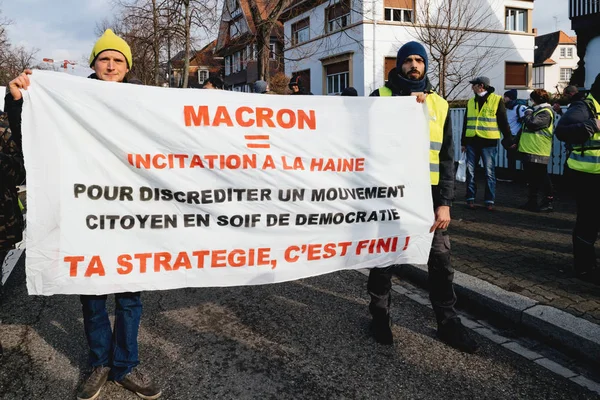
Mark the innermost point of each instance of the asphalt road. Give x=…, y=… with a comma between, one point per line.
x=305, y=339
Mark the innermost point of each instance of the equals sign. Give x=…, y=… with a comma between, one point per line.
x=254, y=141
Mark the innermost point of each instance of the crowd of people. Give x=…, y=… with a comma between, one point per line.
x=525, y=130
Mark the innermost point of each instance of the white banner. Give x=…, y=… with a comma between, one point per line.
x=142, y=188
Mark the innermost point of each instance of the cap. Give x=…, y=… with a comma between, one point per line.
x=483, y=80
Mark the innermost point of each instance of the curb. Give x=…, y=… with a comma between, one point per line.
x=574, y=334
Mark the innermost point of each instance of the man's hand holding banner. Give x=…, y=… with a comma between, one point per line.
x=141, y=188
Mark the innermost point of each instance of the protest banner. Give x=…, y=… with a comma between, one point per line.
x=142, y=188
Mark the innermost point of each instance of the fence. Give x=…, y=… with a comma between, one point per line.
x=557, y=159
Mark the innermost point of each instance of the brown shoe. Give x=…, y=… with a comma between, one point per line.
x=91, y=387
x=140, y=384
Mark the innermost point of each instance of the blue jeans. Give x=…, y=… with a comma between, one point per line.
x=118, y=347
x=488, y=154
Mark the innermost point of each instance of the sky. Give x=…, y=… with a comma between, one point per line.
x=65, y=29
x=60, y=29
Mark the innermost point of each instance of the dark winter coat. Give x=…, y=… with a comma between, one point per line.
x=12, y=173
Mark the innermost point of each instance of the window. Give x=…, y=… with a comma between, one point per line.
x=300, y=31
x=227, y=65
x=236, y=27
x=516, y=20
x=237, y=62
x=398, y=15
x=243, y=58
x=563, y=52
x=565, y=74
x=337, y=77
x=338, y=16
x=538, y=78
x=202, y=75
x=233, y=30
x=272, y=51
x=516, y=74
x=399, y=10
x=570, y=52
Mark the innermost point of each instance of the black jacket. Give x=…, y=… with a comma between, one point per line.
x=501, y=119
x=12, y=173
x=577, y=125
x=443, y=192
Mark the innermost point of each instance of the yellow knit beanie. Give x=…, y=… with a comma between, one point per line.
x=110, y=41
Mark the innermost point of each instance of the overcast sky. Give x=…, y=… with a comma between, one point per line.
x=64, y=29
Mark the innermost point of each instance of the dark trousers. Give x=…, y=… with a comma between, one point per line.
x=588, y=221
x=3, y=254
x=538, y=178
x=441, y=289
x=116, y=348
x=511, y=158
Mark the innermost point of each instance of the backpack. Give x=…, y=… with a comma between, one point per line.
x=521, y=105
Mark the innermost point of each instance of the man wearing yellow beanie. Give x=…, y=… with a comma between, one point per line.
x=111, y=58
x=113, y=352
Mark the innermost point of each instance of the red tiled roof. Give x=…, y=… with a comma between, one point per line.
x=563, y=38
x=546, y=44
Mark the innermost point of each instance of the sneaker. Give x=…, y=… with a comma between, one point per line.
x=91, y=387
x=530, y=206
x=489, y=206
x=454, y=334
x=546, y=206
x=140, y=384
x=471, y=204
x=382, y=331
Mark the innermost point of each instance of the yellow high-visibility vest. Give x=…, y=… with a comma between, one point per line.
x=438, y=111
x=586, y=157
x=483, y=122
x=538, y=142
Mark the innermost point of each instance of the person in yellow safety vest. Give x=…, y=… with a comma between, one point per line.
x=409, y=78
x=484, y=120
x=535, y=148
x=580, y=128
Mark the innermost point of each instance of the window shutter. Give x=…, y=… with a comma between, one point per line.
x=300, y=24
x=516, y=74
x=337, y=68
x=407, y=4
x=390, y=63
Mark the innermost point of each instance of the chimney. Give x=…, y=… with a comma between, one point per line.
x=534, y=31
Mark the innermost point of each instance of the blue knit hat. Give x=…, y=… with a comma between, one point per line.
x=409, y=49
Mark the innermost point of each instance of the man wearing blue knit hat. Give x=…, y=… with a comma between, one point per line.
x=409, y=78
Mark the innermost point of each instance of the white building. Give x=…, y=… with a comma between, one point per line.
x=585, y=21
x=338, y=43
x=555, y=60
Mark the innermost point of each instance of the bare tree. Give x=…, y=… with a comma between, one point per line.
x=142, y=23
x=189, y=21
x=458, y=37
x=4, y=50
x=265, y=16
